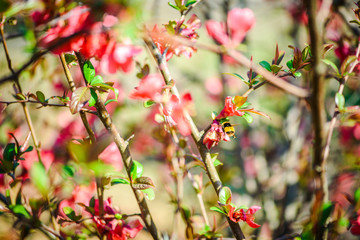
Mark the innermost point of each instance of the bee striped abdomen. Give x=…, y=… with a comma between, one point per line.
x=228, y=129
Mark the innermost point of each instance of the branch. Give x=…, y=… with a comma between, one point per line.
x=127, y=160
x=318, y=119
x=196, y=135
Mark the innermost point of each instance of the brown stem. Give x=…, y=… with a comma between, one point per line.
x=196, y=135
x=318, y=119
x=127, y=160
x=25, y=109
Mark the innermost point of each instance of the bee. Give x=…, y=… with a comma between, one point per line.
x=228, y=128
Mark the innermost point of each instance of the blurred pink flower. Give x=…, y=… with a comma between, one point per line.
x=111, y=155
x=176, y=110
x=150, y=87
x=47, y=157
x=239, y=22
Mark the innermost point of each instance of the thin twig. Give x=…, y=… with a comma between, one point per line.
x=127, y=160
x=196, y=135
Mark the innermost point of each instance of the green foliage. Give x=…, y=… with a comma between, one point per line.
x=248, y=117
x=89, y=71
x=136, y=170
x=340, y=101
x=119, y=181
x=225, y=195
x=20, y=210
x=149, y=193
x=40, y=178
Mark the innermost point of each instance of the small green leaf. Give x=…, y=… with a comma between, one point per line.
x=70, y=58
x=340, y=101
x=217, y=209
x=149, y=103
x=136, y=170
x=89, y=71
x=69, y=212
x=225, y=195
x=9, y=152
x=275, y=68
x=265, y=65
x=190, y=2
x=332, y=65
x=235, y=75
x=100, y=168
x=40, y=96
x=357, y=195
x=93, y=99
x=149, y=193
x=326, y=211
x=97, y=79
x=217, y=162
x=39, y=177
x=289, y=64
x=68, y=170
x=346, y=63
x=119, y=181
x=248, y=117
x=297, y=74
x=343, y=222
x=173, y=6
x=20, y=210
x=29, y=149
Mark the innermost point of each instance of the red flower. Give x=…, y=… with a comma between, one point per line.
x=176, y=111
x=214, y=135
x=247, y=216
x=355, y=226
x=113, y=228
x=232, y=108
x=150, y=87
x=239, y=22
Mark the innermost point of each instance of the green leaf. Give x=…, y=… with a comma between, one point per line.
x=89, y=71
x=93, y=98
x=136, y=170
x=340, y=101
x=235, y=75
x=332, y=65
x=20, y=210
x=217, y=209
x=346, y=63
x=4, y=5
x=217, y=162
x=265, y=65
x=119, y=181
x=326, y=211
x=107, y=85
x=149, y=103
x=39, y=177
x=68, y=170
x=289, y=64
x=96, y=80
x=343, y=222
x=357, y=195
x=190, y=2
x=69, y=212
x=141, y=183
x=225, y=195
x=173, y=6
x=40, y=96
x=70, y=58
x=29, y=149
x=275, y=68
x=248, y=117
x=297, y=74
x=109, y=101
x=78, y=99
x=100, y=168
x=9, y=152
x=149, y=193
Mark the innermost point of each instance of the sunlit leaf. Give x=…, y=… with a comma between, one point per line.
x=225, y=195
x=20, y=210
x=40, y=96
x=119, y=181
x=136, y=170
x=239, y=101
x=217, y=209
x=326, y=211
x=346, y=63
x=173, y=6
x=340, y=101
x=149, y=103
x=109, y=101
x=78, y=99
x=96, y=80
x=89, y=71
x=39, y=177
x=190, y=2
x=149, y=193
x=93, y=99
x=265, y=65
x=297, y=74
x=332, y=65
x=248, y=117
x=70, y=58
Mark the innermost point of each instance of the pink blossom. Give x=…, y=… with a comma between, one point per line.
x=150, y=87
x=247, y=216
x=214, y=135
x=239, y=22
x=111, y=155
x=176, y=110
